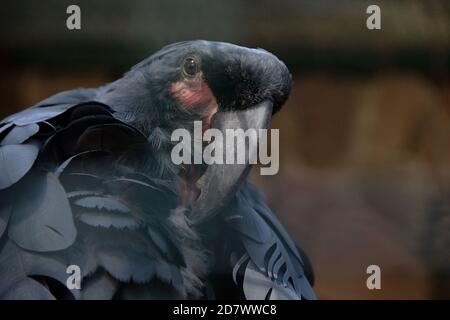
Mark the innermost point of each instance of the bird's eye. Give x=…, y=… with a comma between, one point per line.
x=190, y=67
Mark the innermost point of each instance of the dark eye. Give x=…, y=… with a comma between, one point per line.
x=190, y=67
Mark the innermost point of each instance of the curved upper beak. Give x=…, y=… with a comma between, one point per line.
x=220, y=182
x=250, y=85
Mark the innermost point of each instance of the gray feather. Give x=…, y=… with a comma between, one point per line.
x=68, y=97
x=99, y=286
x=5, y=212
x=27, y=289
x=257, y=286
x=5, y=126
x=15, y=162
x=19, y=134
x=42, y=219
x=35, y=115
x=108, y=220
x=60, y=169
x=266, y=242
x=102, y=203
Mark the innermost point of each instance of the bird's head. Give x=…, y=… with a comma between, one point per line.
x=222, y=84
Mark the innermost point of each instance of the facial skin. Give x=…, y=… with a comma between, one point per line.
x=194, y=92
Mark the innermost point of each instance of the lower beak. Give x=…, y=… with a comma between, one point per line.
x=220, y=182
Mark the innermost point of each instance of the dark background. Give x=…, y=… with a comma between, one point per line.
x=364, y=176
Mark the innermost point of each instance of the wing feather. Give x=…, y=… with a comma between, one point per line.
x=272, y=262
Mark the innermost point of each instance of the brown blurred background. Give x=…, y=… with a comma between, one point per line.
x=365, y=137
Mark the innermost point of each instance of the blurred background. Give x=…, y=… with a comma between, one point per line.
x=365, y=136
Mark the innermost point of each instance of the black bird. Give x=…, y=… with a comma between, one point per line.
x=86, y=179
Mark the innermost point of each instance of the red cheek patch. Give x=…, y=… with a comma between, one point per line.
x=195, y=93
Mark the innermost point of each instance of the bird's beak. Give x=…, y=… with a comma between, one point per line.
x=220, y=182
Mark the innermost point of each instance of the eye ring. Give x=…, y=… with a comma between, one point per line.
x=190, y=66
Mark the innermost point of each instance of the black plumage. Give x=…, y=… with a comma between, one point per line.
x=86, y=179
